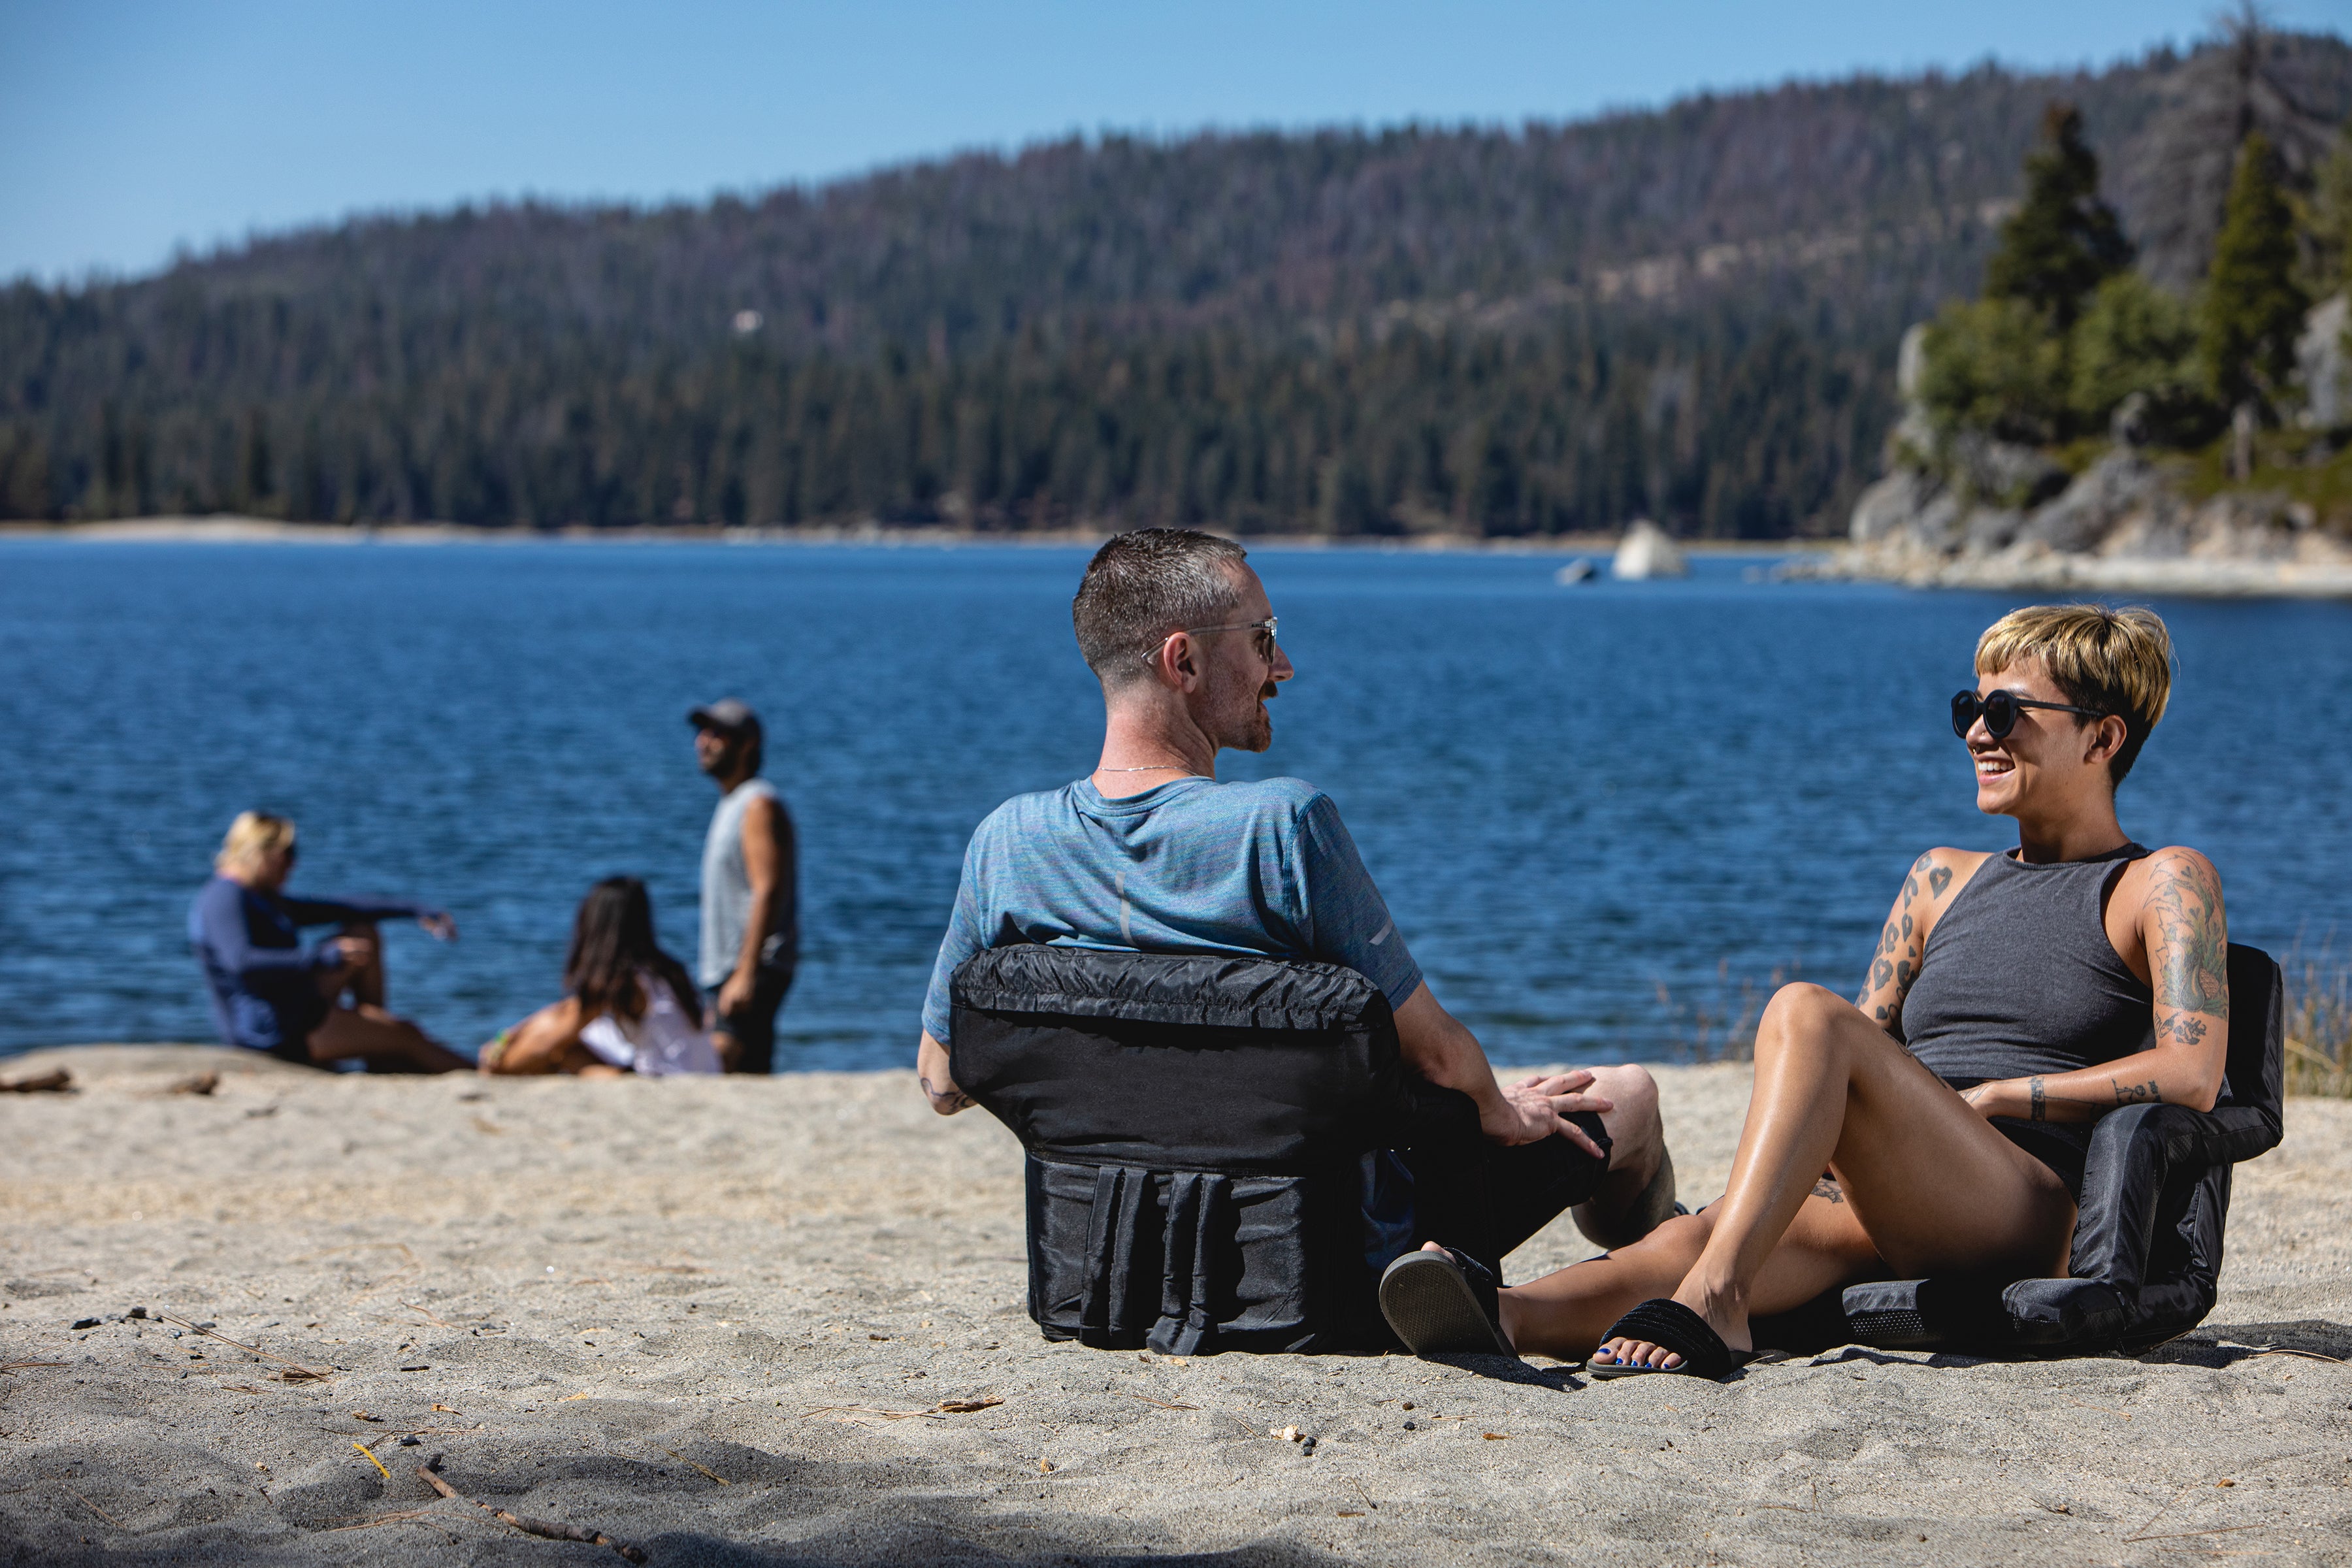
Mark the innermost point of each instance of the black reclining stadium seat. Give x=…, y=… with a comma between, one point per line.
x=1195, y=1128
x=2147, y=1259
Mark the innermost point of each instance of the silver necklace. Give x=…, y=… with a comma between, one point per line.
x=1149, y=768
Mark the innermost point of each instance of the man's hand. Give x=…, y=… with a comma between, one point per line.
x=1537, y=1107
x=736, y=994
x=441, y=923
x=931, y=1072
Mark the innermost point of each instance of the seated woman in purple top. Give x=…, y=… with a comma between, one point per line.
x=272, y=994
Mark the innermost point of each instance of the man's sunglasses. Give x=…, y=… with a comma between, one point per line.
x=1262, y=642
x=2000, y=709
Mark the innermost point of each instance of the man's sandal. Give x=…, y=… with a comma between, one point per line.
x=1443, y=1303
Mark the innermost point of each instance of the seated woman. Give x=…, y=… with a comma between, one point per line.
x=631, y=1007
x=1938, y=1126
x=270, y=994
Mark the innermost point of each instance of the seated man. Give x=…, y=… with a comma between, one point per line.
x=1152, y=854
x=270, y=994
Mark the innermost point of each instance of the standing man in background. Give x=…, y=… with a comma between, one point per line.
x=750, y=895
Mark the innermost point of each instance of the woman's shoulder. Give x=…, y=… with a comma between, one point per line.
x=1937, y=873
x=2170, y=870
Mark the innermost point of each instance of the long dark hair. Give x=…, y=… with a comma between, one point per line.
x=612, y=939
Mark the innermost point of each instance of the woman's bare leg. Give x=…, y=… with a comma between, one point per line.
x=1565, y=1313
x=1929, y=1180
x=548, y=1042
x=387, y=1044
x=367, y=981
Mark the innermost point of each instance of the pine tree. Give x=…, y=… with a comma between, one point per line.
x=2252, y=308
x=2063, y=241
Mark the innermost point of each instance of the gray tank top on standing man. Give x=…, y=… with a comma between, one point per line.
x=727, y=893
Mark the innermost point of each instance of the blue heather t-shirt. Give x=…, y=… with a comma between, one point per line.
x=1191, y=865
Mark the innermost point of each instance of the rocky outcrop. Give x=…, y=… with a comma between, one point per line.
x=2324, y=366
x=2118, y=525
x=1962, y=509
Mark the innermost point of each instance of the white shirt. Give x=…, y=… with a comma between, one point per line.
x=667, y=1041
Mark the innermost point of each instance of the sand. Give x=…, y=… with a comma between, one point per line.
x=707, y=1317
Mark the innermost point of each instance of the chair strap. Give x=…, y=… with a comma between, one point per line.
x=1119, y=1238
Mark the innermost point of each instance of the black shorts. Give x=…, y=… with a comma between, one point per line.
x=1487, y=1200
x=752, y=1026
x=2064, y=1146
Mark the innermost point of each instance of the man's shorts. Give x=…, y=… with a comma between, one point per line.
x=1487, y=1200
x=752, y=1025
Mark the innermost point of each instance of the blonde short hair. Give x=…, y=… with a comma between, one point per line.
x=2112, y=661
x=253, y=834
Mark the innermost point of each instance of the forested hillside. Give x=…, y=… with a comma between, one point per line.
x=1689, y=313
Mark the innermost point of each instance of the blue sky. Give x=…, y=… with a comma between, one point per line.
x=134, y=128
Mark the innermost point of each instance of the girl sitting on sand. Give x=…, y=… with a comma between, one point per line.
x=631, y=1007
x=2012, y=1000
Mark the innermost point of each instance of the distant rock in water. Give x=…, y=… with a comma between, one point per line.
x=1576, y=571
x=1644, y=552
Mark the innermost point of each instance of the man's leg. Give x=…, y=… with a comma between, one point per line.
x=746, y=1038
x=1487, y=1200
x=1637, y=1195
x=387, y=1044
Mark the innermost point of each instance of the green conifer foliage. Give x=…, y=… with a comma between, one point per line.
x=2058, y=246
x=2330, y=226
x=2134, y=338
x=2252, y=308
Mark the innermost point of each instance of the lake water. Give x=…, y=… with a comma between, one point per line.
x=1601, y=814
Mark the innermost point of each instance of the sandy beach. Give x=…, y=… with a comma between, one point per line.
x=731, y=1321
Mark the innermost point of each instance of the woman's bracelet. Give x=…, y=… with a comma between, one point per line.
x=496, y=1049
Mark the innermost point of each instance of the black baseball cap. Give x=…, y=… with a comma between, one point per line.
x=731, y=714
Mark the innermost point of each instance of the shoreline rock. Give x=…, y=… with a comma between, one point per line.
x=2118, y=527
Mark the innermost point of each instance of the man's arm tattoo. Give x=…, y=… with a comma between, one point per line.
x=953, y=1098
x=2040, y=1109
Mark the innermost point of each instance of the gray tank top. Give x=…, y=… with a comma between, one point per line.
x=727, y=893
x=2019, y=978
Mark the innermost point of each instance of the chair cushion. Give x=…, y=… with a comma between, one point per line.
x=1192, y=1062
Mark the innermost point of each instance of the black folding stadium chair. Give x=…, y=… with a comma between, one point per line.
x=2148, y=1241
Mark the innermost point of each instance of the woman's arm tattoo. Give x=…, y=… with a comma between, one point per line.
x=2192, y=960
x=1895, y=962
x=2039, y=1097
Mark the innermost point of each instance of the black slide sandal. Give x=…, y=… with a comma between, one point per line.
x=1670, y=1326
x=1434, y=1302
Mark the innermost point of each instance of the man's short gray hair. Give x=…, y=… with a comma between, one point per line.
x=1142, y=585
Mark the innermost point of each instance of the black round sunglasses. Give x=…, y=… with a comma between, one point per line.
x=1998, y=710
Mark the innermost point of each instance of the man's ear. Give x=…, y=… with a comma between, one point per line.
x=1176, y=662
x=2107, y=737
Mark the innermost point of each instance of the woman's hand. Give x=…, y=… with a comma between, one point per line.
x=441, y=923
x=1992, y=1098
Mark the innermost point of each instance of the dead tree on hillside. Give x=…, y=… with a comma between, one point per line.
x=2174, y=177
